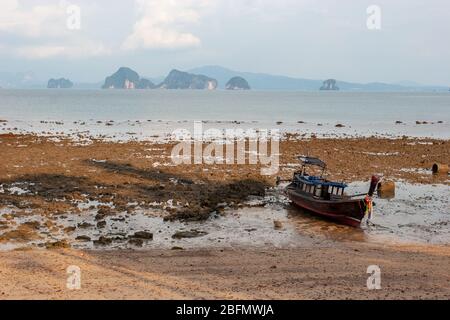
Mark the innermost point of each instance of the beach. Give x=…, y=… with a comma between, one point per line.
x=139, y=226
x=336, y=271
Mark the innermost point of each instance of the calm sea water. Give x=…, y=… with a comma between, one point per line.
x=361, y=113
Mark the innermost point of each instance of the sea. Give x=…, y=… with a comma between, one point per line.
x=142, y=114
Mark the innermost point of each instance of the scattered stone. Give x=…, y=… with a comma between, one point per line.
x=83, y=238
x=136, y=242
x=189, y=234
x=99, y=216
x=177, y=248
x=69, y=229
x=277, y=224
x=143, y=235
x=60, y=244
x=84, y=225
x=101, y=224
x=339, y=125
x=398, y=122
x=33, y=224
x=103, y=241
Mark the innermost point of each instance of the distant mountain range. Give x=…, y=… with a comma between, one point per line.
x=262, y=81
x=257, y=81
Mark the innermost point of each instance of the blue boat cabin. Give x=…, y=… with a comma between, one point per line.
x=319, y=187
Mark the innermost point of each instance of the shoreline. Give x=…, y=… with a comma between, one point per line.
x=162, y=131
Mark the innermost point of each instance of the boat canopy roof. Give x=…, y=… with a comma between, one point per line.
x=312, y=161
x=312, y=180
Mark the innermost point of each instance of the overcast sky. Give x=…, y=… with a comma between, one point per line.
x=300, y=38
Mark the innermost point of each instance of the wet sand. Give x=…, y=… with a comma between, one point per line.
x=59, y=193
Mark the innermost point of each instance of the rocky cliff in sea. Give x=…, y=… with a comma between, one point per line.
x=237, y=83
x=329, y=84
x=126, y=78
x=59, y=84
x=183, y=80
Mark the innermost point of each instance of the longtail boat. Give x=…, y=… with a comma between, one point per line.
x=327, y=198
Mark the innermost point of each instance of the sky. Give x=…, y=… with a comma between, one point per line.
x=351, y=40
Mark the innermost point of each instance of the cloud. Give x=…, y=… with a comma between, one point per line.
x=41, y=31
x=33, y=22
x=163, y=24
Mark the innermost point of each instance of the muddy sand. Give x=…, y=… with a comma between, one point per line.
x=53, y=189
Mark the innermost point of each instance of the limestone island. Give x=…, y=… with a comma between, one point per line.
x=59, y=84
x=126, y=78
x=329, y=84
x=184, y=80
x=237, y=83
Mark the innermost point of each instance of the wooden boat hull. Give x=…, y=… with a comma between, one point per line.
x=346, y=211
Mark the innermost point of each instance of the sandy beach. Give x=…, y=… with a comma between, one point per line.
x=333, y=271
x=64, y=203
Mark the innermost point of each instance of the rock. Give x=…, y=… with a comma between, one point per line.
x=143, y=235
x=103, y=241
x=57, y=244
x=189, y=234
x=59, y=84
x=329, y=84
x=33, y=224
x=84, y=225
x=136, y=242
x=83, y=238
x=183, y=80
x=176, y=248
x=102, y=212
x=101, y=224
x=99, y=216
x=69, y=229
x=237, y=83
x=277, y=224
x=339, y=125
x=398, y=122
